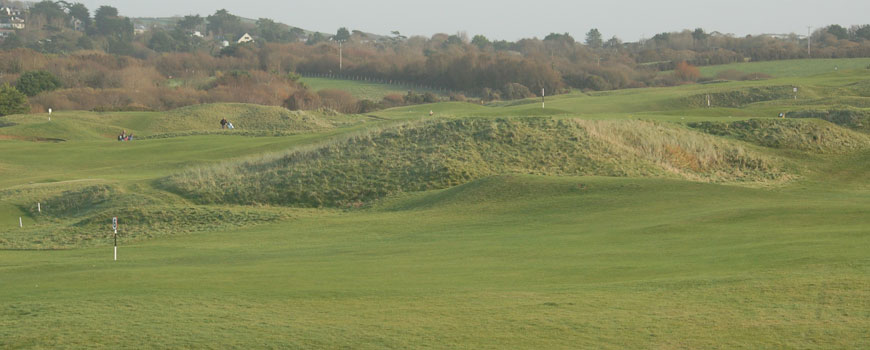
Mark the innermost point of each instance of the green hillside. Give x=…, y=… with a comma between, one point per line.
x=628, y=219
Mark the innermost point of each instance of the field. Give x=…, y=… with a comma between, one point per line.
x=612, y=220
x=362, y=89
x=798, y=68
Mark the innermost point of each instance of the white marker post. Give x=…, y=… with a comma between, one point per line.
x=39, y=207
x=20, y=223
x=115, y=228
x=543, y=102
x=49, y=114
x=795, y=93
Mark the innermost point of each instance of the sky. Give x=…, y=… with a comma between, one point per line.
x=629, y=20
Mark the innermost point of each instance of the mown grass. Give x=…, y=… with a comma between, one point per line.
x=361, y=89
x=792, y=68
x=516, y=262
x=493, y=261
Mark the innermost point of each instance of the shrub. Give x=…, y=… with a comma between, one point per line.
x=514, y=91
x=687, y=72
x=302, y=100
x=12, y=101
x=33, y=82
x=338, y=100
x=393, y=100
x=366, y=106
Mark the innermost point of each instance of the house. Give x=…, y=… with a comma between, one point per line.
x=13, y=23
x=198, y=34
x=11, y=12
x=245, y=39
x=77, y=24
x=139, y=29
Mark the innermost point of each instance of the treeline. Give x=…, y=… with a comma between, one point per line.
x=94, y=80
x=187, y=60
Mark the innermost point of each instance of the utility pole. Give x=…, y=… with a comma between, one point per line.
x=809, y=38
x=339, y=56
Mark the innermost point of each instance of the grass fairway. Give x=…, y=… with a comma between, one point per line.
x=362, y=89
x=508, y=262
x=524, y=255
x=791, y=69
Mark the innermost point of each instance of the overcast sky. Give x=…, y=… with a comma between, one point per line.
x=630, y=20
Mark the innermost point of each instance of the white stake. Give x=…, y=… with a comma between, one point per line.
x=115, y=228
x=20, y=223
x=39, y=207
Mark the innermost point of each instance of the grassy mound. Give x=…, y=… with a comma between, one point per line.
x=444, y=153
x=81, y=214
x=740, y=97
x=851, y=118
x=803, y=135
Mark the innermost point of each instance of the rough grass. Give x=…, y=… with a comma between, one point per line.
x=852, y=118
x=741, y=97
x=443, y=153
x=803, y=135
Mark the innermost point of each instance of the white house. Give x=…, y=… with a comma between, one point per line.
x=10, y=12
x=245, y=39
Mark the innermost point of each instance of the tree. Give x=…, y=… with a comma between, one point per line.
x=613, y=43
x=80, y=12
x=102, y=15
x=342, y=35
x=223, y=23
x=315, y=38
x=480, y=41
x=270, y=30
x=189, y=23
x=12, y=101
x=162, y=42
x=108, y=23
x=560, y=37
x=33, y=82
x=862, y=32
x=699, y=35
x=50, y=10
x=838, y=31
x=593, y=38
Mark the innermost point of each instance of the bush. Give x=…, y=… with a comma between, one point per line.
x=367, y=106
x=338, y=100
x=33, y=82
x=686, y=72
x=393, y=100
x=302, y=100
x=12, y=101
x=514, y=91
